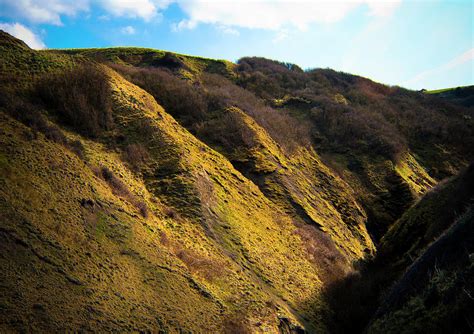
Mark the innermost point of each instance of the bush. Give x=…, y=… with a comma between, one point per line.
x=322, y=251
x=80, y=97
x=236, y=323
x=117, y=186
x=31, y=115
x=208, y=268
x=135, y=155
x=182, y=100
x=120, y=189
x=281, y=126
x=77, y=147
x=227, y=130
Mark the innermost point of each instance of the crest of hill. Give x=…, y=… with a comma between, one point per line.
x=460, y=95
x=8, y=41
x=177, y=234
x=149, y=191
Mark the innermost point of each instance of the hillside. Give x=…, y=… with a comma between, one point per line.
x=436, y=288
x=144, y=190
x=460, y=95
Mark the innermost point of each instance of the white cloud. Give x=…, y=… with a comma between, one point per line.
x=461, y=59
x=263, y=14
x=381, y=8
x=43, y=11
x=144, y=9
x=280, y=36
x=26, y=35
x=128, y=30
x=276, y=14
x=51, y=11
x=228, y=30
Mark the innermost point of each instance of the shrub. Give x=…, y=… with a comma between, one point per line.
x=80, y=97
x=120, y=189
x=135, y=155
x=321, y=251
x=227, y=130
x=142, y=208
x=31, y=115
x=170, y=212
x=236, y=323
x=170, y=61
x=181, y=99
x=268, y=78
x=206, y=267
x=281, y=126
x=117, y=186
x=77, y=147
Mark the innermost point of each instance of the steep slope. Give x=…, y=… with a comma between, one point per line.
x=143, y=190
x=139, y=226
x=421, y=277
x=435, y=293
x=427, y=220
x=294, y=182
x=388, y=144
x=460, y=95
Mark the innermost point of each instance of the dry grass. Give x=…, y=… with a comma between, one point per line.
x=80, y=98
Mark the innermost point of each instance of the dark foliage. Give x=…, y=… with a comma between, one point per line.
x=200, y=107
x=80, y=97
x=170, y=61
x=33, y=117
x=282, y=127
x=351, y=112
x=268, y=78
x=226, y=130
x=135, y=155
x=184, y=101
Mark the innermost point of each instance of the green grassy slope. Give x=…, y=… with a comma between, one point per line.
x=180, y=242
x=143, y=190
x=287, y=179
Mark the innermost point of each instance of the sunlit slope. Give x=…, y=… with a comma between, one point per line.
x=211, y=246
x=366, y=133
x=180, y=242
x=143, y=190
x=299, y=183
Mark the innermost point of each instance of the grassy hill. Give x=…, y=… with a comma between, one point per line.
x=460, y=95
x=144, y=190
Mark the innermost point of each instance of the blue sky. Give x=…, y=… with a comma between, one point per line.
x=412, y=43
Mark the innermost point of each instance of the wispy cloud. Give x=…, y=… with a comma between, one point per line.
x=459, y=60
x=143, y=9
x=228, y=30
x=276, y=14
x=128, y=30
x=42, y=11
x=280, y=36
x=51, y=11
x=264, y=14
x=26, y=35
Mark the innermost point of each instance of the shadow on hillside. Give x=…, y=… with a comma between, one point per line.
x=353, y=299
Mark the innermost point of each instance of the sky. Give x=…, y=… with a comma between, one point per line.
x=411, y=43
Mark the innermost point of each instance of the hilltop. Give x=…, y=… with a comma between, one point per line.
x=144, y=190
x=460, y=95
